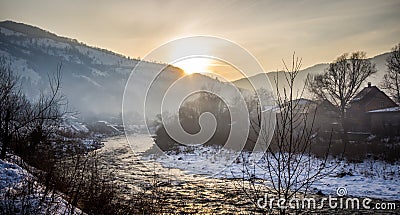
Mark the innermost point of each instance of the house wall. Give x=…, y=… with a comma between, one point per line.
x=385, y=124
x=357, y=117
x=327, y=118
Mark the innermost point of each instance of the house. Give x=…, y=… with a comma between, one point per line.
x=385, y=122
x=327, y=117
x=322, y=115
x=358, y=114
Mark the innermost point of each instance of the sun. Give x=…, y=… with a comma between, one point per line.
x=194, y=65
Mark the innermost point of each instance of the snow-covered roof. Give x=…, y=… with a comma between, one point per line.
x=366, y=93
x=385, y=110
x=302, y=101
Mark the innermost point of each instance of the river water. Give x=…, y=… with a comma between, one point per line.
x=182, y=192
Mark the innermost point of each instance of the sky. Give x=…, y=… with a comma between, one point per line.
x=318, y=31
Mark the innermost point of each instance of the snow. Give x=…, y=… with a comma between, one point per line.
x=99, y=57
x=16, y=195
x=97, y=72
x=371, y=178
x=9, y=32
x=21, y=67
x=374, y=179
x=57, y=48
x=89, y=80
x=11, y=174
x=392, y=109
x=72, y=123
x=46, y=42
x=126, y=70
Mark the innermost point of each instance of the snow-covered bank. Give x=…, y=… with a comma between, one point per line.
x=21, y=194
x=371, y=178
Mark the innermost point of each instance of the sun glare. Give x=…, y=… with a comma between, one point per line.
x=194, y=65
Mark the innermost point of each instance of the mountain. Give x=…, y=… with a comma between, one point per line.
x=375, y=79
x=280, y=77
x=87, y=72
x=93, y=79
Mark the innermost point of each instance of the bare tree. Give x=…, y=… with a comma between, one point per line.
x=287, y=167
x=391, y=80
x=12, y=103
x=342, y=80
x=47, y=112
x=20, y=117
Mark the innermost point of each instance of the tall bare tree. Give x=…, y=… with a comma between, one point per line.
x=342, y=80
x=287, y=168
x=391, y=80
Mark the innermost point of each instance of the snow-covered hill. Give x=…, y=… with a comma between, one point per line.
x=93, y=79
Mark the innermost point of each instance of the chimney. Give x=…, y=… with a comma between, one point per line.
x=369, y=84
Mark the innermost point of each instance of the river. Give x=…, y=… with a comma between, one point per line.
x=183, y=192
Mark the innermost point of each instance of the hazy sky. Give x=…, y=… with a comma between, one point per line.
x=318, y=31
